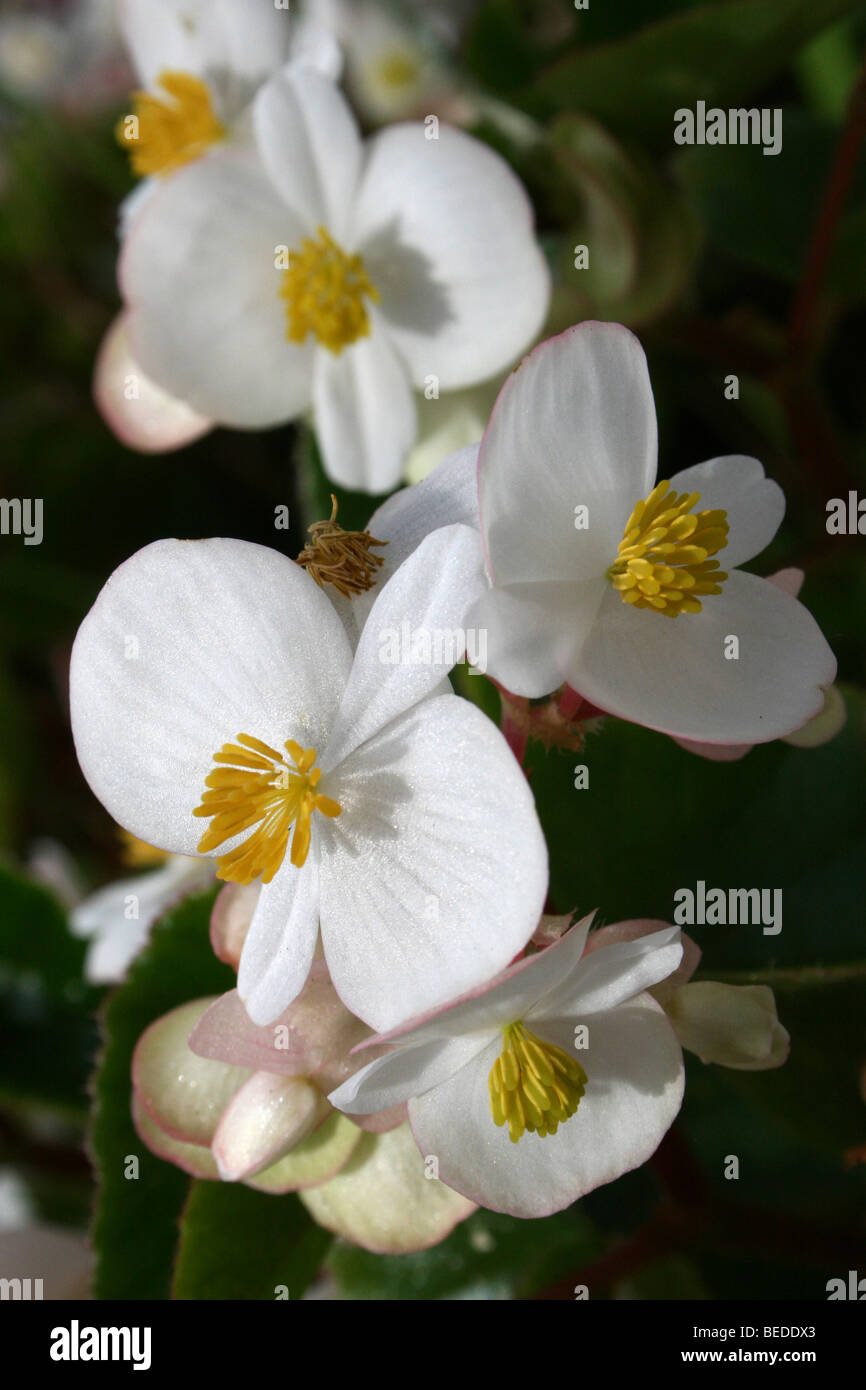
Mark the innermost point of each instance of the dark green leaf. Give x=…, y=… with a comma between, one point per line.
x=242, y=1244
x=35, y=942
x=640, y=235
x=487, y=1257
x=718, y=53
x=781, y=818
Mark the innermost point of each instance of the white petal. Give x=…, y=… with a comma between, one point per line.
x=640, y=927
x=230, y=920
x=140, y=413
x=315, y=45
x=309, y=142
x=280, y=943
x=573, y=426
x=446, y=232
x=382, y=1199
x=754, y=503
x=499, y=1000
x=672, y=674
x=716, y=752
x=250, y=38
x=313, y=1037
x=449, y=423
x=611, y=975
x=105, y=915
x=158, y=39
x=732, y=1025
x=132, y=204
x=199, y=275
x=435, y=875
x=267, y=1118
x=634, y=1089
x=413, y=636
x=364, y=412
x=245, y=37
x=446, y=496
x=405, y=1073
x=189, y=644
x=226, y=1033
x=535, y=631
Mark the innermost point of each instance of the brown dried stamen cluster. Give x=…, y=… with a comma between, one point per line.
x=341, y=558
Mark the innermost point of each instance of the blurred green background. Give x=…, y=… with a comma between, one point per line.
x=710, y=254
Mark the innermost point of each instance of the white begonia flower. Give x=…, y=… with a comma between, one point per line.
x=391, y=65
x=557, y=1077
x=33, y=50
x=213, y=680
x=201, y=62
x=334, y=273
x=118, y=917
x=612, y=585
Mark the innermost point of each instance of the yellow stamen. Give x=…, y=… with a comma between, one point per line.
x=137, y=854
x=160, y=134
x=398, y=68
x=260, y=789
x=341, y=558
x=663, y=558
x=324, y=290
x=533, y=1085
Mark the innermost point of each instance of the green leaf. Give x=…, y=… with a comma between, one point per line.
x=242, y=1244
x=507, y=42
x=490, y=1256
x=783, y=1164
x=780, y=818
x=760, y=212
x=136, y=1219
x=46, y=1052
x=827, y=69
x=35, y=941
x=818, y=1092
x=47, y=1034
x=641, y=236
x=673, y=1278
x=718, y=53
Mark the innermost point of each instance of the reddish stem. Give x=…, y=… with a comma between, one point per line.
x=515, y=738
x=569, y=703
x=805, y=306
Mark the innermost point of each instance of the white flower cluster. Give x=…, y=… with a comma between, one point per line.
x=387, y=873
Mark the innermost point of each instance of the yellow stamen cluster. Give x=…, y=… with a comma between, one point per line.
x=137, y=854
x=260, y=789
x=397, y=68
x=533, y=1085
x=161, y=135
x=324, y=289
x=663, y=559
x=341, y=558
